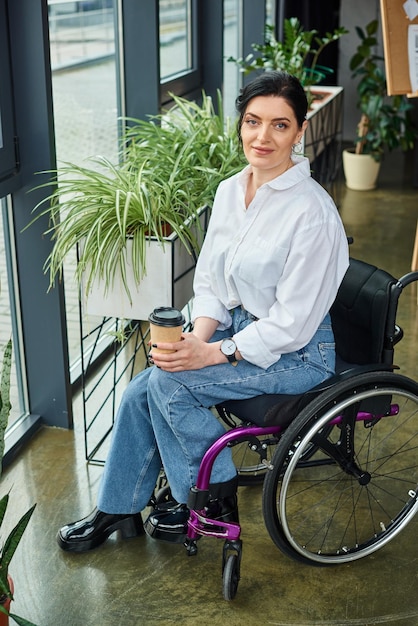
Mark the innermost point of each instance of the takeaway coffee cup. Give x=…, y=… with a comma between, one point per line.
x=166, y=325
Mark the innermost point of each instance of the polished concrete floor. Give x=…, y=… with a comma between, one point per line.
x=143, y=582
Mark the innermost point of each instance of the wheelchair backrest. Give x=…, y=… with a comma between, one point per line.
x=360, y=314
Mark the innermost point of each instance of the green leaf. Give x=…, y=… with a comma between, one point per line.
x=21, y=621
x=14, y=538
x=372, y=27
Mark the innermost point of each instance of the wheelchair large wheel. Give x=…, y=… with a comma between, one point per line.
x=360, y=488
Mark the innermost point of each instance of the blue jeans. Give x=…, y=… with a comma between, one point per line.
x=164, y=419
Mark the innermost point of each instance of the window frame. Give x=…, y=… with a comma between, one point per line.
x=8, y=148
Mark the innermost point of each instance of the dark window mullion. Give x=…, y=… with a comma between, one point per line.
x=8, y=152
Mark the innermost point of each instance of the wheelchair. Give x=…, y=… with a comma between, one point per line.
x=339, y=463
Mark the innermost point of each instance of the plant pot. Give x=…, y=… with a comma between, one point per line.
x=4, y=619
x=360, y=170
x=168, y=281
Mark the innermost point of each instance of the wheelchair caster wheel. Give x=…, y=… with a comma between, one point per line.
x=191, y=547
x=230, y=577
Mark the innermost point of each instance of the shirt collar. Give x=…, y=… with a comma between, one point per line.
x=291, y=177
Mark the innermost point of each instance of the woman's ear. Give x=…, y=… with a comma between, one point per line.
x=302, y=131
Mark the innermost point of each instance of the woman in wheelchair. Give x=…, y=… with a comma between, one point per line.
x=273, y=258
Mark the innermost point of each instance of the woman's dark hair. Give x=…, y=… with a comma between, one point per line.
x=274, y=83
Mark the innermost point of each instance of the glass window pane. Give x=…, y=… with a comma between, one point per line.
x=9, y=317
x=232, y=36
x=80, y=31
x=84, y=88
x=175, y=37
x=270, y=12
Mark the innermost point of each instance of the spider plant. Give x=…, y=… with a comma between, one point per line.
x=170, y=166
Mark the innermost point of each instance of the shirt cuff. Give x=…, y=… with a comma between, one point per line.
x=253, y=349
x=209, y=306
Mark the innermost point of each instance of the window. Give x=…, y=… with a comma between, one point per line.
x=232, y=48
x=176, y=55
x=84, y=86
x=178, y=33
x=9, y=316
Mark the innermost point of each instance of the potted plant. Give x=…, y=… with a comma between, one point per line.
x=297, y=54
x=384, y=124
x=170, y=166
x=12, y=541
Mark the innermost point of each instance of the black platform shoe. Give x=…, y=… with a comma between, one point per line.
x=93, y=530
x=169, y=522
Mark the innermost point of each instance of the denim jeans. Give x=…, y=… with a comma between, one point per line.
x=164, y=419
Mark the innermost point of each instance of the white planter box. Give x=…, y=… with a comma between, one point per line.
x=168, y=282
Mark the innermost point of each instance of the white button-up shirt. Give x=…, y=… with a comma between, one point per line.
x=282, y=258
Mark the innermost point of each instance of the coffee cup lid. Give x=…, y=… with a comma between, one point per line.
x=166, y=316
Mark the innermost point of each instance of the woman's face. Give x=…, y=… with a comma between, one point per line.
x=269, y=130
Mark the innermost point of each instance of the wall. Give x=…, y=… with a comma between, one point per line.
x=353, y=13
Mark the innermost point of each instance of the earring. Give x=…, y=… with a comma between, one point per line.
x=297, y=148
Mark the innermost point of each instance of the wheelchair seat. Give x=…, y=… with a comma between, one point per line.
x=363, y=320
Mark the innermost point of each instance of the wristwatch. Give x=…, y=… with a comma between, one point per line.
x=228, y=348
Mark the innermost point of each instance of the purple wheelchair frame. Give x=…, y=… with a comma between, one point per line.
x=198, y=523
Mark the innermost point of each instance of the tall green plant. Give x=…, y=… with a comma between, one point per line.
x=170, y=167
x=297, y=54
x=385, y=121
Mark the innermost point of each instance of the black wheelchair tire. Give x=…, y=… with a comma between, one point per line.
x=230, y=577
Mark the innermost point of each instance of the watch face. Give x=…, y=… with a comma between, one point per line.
x=228, y=347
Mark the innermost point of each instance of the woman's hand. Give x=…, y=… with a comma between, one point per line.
x=191, y=353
